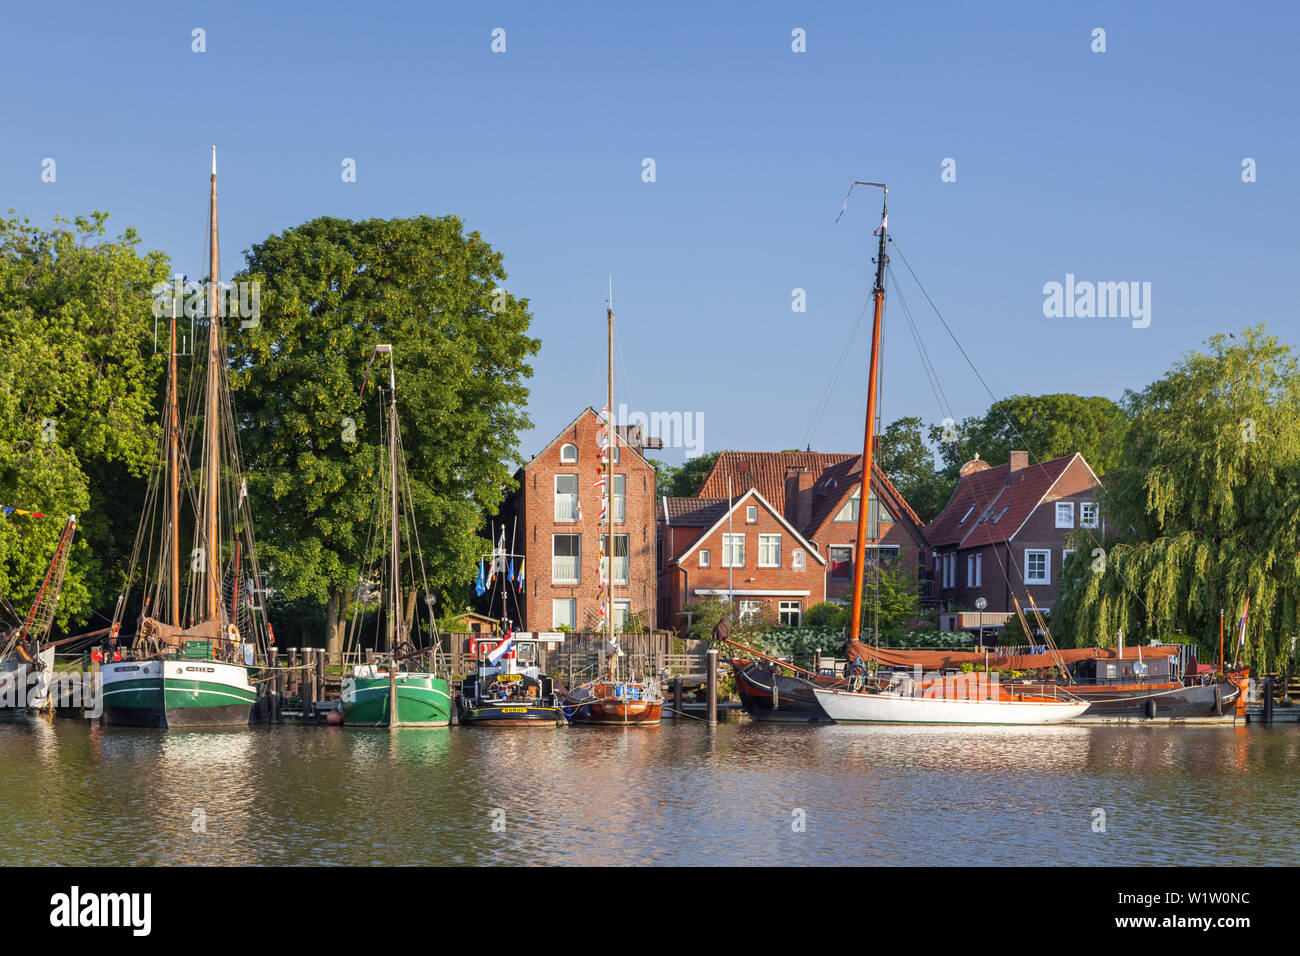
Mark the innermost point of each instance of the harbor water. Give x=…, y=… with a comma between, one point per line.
x=681, y=793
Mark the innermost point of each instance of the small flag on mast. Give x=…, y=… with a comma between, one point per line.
x=1241, y=627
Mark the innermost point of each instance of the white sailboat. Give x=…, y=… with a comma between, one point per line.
x=908, y=701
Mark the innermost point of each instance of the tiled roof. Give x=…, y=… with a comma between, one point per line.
x=764, y=471
x=986, y=508
x=695, y=511
x=829, y=489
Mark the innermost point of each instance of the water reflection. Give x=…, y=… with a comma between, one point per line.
x=677, y=794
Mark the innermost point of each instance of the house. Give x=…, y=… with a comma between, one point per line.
x=790, y=520
x=1005, y=533
x=552, y=521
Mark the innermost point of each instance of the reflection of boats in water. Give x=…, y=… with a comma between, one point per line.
x=26, y=660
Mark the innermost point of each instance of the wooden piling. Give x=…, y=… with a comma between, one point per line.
x=308, y=686
x=712, y=678
x=319, y=689
x=677, y=698
x=1268, y=700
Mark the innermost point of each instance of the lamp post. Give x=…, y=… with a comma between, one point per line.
x=980, y=605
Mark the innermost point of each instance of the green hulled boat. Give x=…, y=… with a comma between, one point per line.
x=407, y=676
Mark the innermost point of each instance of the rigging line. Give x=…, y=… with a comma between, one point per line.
x=927, y=365
x=823, y=403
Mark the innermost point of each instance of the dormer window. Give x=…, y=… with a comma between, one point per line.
x=966, y=515
x=568, y=454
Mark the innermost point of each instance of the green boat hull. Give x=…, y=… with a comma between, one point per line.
x=177, y=693
x=422, y=701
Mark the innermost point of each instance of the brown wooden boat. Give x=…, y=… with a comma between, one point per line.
x=615, y=702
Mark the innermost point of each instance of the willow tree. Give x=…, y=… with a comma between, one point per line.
x=331, y=290
x=1205, y=511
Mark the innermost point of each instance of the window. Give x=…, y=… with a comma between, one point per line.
x=841, y=558
x=733, y=550
x=566, y=498
x=619, y=495
x=883, y=555
x=966, y=515
x=564, y=613
x=566, y=559
x=568, y=454
x=1038, y=568
x=1065, y=555
x=750, y=610
x=850, y=510
x=950, y=570
x=1087, y=514
x=769, y=550
x=622, y=611
x=796, y=559
x=704, y=557
x=790, y=613
x=1065, y=514
x=620, y=558
x=751, y=514
x=974, y=570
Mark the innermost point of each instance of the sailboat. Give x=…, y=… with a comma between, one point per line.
x=916, y=701
x=612, y=700
x=374, y=692
x=25, y=652
x=188, y=663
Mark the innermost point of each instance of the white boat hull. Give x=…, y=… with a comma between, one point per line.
x=847, y=707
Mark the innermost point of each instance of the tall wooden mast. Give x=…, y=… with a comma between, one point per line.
x=610, y=451
x=212, y=449
x=868, y=444
x=395, y=620
x=173, y=481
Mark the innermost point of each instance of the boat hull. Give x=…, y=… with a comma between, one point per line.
x=1198, y=703
x=177, y=693
x=512, y=715
x=620, y=713
x=423, y=700
x=887, y=708
x=794, y=702
x=25, y=688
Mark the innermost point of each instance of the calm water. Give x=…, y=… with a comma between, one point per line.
x=677, y=794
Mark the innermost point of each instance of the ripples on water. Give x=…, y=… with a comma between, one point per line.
x=676, y=794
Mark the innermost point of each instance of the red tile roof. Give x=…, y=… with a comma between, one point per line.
x=764, y=471
x=700, y=512
x=987, y=508
x=829, y=490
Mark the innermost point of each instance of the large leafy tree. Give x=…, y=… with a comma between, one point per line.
x=331, y=290
x=79, y=392
x=908, y=460
x=1205, y=512
x=686, y=479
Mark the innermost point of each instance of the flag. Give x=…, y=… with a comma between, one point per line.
x=243, y=492
x=501, y=649
x=1241, y=627
x=599, y=482
x=520, y=582
x=884, y=224
x=511, y=577
x=480, y=586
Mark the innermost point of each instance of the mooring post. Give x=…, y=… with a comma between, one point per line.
x=1268, y=700
x=308, y=685
x=318, y=692
x=677, y=697
x=712, y=678
x=277, y=678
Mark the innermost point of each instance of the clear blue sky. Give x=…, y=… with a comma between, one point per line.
x=1115, y=166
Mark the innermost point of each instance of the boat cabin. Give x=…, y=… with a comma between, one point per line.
x=1154, y=669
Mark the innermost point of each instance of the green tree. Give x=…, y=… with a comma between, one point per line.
x=1049, y=426
x=1205, y=511
x=79, y=400
x=684, y=480
x=907, y=458
x=889, y=600
x=332, y=290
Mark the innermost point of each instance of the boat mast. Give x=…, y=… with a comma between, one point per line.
x=394, y=626
x=859, y=554
x=212, y=457
x=610, y=451
x=173, y=479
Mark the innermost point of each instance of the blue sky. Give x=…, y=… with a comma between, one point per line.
x=1115, y=166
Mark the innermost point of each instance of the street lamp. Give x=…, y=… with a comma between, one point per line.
x=980, y=605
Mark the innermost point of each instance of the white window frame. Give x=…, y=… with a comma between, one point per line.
x=618, y=502
x=567, y=457
x=559, y=517
x=729, y=542
x=1096, y=514
x=796, y=559
x=975, y=570
x=572, y=605
x=751, y=514
x=748, y=609
x=786, y=607
x=620, y=563
x=577, y=578
x=830, y=560
x=765, y=541
x=1047, y=565
x=622, y=611
x=1061, y=508
x=704, y=557
x=1065, y=554
x=854, y=499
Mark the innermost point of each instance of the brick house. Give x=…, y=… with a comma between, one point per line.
x=552, y=520
x=816, y=497
x=1005, y=532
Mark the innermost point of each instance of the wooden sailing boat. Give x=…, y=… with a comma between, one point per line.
x=908, y=701
x=373, y=693
x=25, y=652
x=188, y=664
x=616, y=700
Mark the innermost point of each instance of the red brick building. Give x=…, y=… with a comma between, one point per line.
x=814, y=498
x=1005, y=532
x=552, y=520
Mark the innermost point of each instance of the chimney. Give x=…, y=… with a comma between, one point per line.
x=1019, y=461
x=798, y=496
